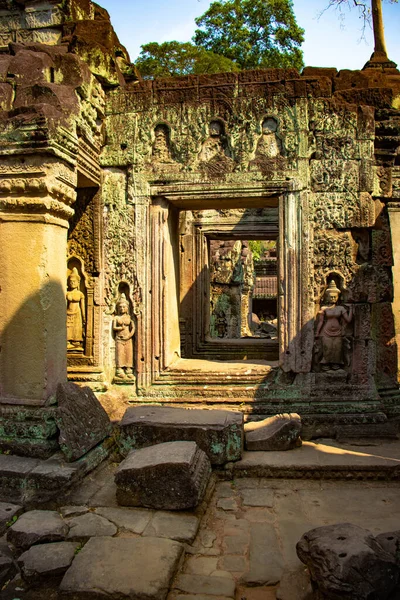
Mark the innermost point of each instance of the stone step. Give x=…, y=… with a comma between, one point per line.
x=326, y=459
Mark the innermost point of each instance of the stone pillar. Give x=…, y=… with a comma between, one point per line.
x=35, y=199
x=394, y=217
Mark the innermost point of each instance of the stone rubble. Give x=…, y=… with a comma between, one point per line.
x=82, y=420
x=219, y=433
x=280, y=432
x=36, y=527
x=169, y=476
x=347, y=561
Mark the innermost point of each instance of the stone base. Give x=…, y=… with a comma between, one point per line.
x=88, y=376
x=28, y=430
x=31, y=480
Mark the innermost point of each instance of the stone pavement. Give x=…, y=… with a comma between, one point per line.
x=240, y=543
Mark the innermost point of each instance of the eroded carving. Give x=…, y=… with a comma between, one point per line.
x=76, y=313
x=329, y=332
x=124, y=329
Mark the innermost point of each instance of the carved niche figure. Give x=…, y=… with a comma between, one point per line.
x=76, y=316
x=215, y=155
x=161, y=147
x=330, y=329
x=270, y=144
x=123, y=328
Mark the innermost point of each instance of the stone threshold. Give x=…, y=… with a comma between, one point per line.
x=323, y=459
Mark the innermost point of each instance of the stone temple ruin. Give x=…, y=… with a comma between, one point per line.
x=218, y=241
x=128, y=212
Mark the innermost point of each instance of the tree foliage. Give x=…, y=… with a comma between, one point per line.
x=253, y=33
x=177, y=58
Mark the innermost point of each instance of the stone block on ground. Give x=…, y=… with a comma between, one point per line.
x=281, y=432
x=347, y=562
x=219, y=433
x=123, y=568
x=81, y=419
x=169, y=476
x=8, y=513
x=35, y=527
x=89, y=525
x=47, y=561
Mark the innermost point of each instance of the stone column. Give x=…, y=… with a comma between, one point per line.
x=394, y=217
x=35, y=199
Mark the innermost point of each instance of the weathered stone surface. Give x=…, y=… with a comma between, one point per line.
x=122, y=568
x=73, y=511
x=37, y=526
x=281, y=432
x=219, y=433
x=390, y=542
x=89, y=525
x=295, y=585
x=8, y=513
x=198, y=584
x=134, y=520
x=82, y=421
x=176, y=526
x=47, y=561
x=346, y=561
x=8, y=568
x=266, y=561
x=170, y=476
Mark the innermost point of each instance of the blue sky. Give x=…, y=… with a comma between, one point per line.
x=330, y=41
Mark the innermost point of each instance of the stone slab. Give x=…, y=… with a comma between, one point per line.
x=37, y=526
x=47, y=561
x=123, y=568
x=219, y=433
x=176, y=526
x=89, y=525
x=129, y=519
x=326, y=459
x=8, y=513
x=280, y=432
x=169, y=476
x=265, y=559
x=82, y=420
x=212, y=586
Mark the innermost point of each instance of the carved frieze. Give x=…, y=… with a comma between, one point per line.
x=9, y=21
x=119, y=248
x=344, y=211
x=35, y=18
x=333, y=252
x=334, y=175
x=41, y=36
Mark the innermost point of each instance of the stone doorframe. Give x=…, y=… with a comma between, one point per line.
x=158, y=323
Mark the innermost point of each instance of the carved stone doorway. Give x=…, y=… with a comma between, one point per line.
x=176, y=316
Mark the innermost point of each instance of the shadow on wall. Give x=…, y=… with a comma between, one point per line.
x=33, y=358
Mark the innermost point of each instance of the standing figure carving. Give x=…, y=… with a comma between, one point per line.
x=270, y=145
x=124, y=329
x=76, y=316
x=330, y=325
x=161, y=148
